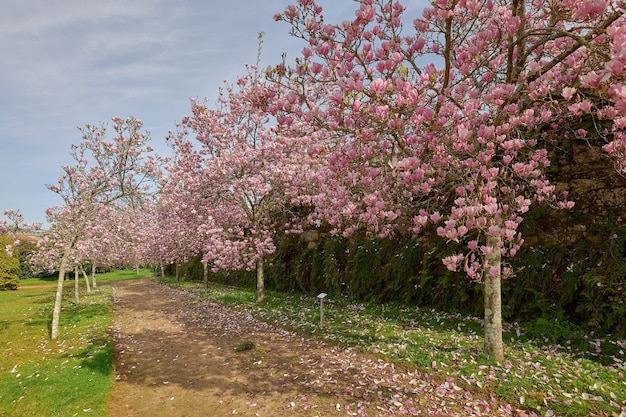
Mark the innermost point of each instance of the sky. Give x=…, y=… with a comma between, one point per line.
x=69, y=63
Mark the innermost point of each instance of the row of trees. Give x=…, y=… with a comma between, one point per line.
x=384, y=126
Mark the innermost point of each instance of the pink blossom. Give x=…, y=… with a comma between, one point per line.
x=589, y=8
x=365, y=12
x=378, y=86
x=568, y=92
x=618, y=94
x=594, y=79
x=452, y=262
x=450, y=143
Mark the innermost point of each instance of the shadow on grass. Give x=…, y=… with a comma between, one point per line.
x=98, y=357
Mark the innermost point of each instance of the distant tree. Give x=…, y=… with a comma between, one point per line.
x=25, y=250
x=178, y=213
x=111, y=240
x=104, y=174
x=152, y=235
x=240, y=178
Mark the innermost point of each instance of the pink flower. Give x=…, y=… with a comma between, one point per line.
x=593, y=79
x=452, y=262
x=618, y=94
x=366, y=13
x=568, y=92
x=420, y=220
x=324, y=48
x=291, y=12
x=464, y=133
x=378, y=86
x=589, y=8
x=494, y=272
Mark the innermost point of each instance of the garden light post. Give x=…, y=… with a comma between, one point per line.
x=321, y=296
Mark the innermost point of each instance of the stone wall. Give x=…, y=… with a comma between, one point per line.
x=586, y=171
x=583, y=169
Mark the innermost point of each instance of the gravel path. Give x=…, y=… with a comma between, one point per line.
x=176, y=356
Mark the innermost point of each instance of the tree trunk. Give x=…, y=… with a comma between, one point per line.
x=86, y=279
x=76, y=296
x=205, y=275
x=56, y=313
x=493, y=301
x=93, y=274
x=162, y=271
x=260, y=282
x=177, y=272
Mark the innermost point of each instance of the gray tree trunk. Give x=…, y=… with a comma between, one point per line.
x=205, y=275
x=493, y=302
x=76, y=288
x=86, y=279
x=260, y=282
x=93, y=275
x=56, y=313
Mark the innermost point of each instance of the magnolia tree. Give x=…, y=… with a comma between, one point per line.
x=239, y=179
x=111, y=240
x=105, y=174
x=179, y=213
x=441, y=122
x=14, y=225
x=153, y=235
x=180, y=240
x=48, y=253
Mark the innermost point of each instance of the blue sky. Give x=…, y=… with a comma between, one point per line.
x=68, y=63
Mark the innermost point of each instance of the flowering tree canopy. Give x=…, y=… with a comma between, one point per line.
x=105, y=174
x=238, y=180
x=443, y=121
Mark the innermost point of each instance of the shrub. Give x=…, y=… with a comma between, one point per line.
x=9, y=266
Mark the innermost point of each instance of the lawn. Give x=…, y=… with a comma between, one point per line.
x=64, y=377
x=550, y=368
x=105, y=277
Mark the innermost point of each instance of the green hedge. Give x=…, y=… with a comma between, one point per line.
x=582, y=284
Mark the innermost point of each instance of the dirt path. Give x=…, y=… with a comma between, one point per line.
x=176, y=356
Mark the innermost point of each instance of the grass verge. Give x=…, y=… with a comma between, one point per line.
x=575, y=374
x=101, y=278
x=70, y=376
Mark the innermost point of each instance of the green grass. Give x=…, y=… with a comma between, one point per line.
x=116, y=275
x=39, y=281
x=123, y=275
x=64, y=377
x=575, y=374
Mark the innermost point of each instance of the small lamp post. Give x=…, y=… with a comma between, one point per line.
x=321, y=296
